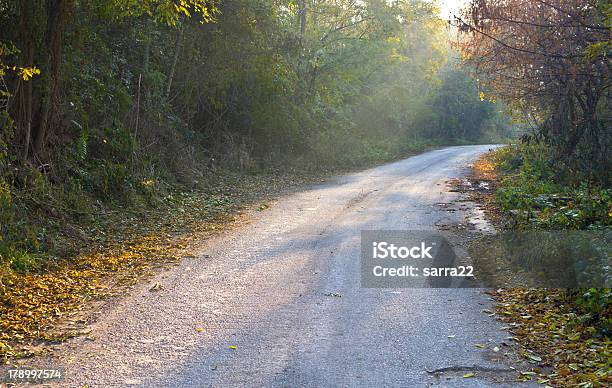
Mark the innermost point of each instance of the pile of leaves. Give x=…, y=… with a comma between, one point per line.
x=553, y=331
x=34, y=303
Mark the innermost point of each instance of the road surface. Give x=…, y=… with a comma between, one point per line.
x=278, y=301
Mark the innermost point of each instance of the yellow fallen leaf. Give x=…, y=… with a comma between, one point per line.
x=468, y=375
x=233, y=347
x=199, y=329
x=156, y=287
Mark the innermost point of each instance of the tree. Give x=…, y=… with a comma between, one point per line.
x=550, y=59
x=37, y=106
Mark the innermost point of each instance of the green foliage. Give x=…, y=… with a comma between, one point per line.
x=533, y=192
x=458, y=110
x=167, y=11
x=595, y=300
x=20, y=242
x=593, y=307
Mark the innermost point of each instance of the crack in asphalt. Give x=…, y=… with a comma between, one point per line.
x=473, y=368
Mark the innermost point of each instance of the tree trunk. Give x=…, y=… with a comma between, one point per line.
x=146, y=62
x=24, y=89
x=301, y=60
x=57, y=11
x=302, y=16
x=177, y=52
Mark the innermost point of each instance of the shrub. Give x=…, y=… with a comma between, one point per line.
x=534, y=193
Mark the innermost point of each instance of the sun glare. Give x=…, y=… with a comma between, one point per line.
x=450, y=7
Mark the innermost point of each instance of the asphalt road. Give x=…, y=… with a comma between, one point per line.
x=278, y=302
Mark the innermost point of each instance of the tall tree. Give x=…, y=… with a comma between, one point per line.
x=549, y=58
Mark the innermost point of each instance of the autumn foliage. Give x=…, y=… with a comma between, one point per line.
x=550, y=60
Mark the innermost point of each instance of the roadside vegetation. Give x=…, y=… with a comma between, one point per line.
x=534, y=193
x=568, y=329
x=549, y=62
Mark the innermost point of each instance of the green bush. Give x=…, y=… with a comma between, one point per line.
x=594, y=307
x=20, y=241
x=534, y=193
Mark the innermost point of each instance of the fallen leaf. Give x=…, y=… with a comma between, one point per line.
x=334, y=294
x=156, y=287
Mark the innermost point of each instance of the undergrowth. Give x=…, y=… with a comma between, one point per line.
x=570, y=328
x=535, y=192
